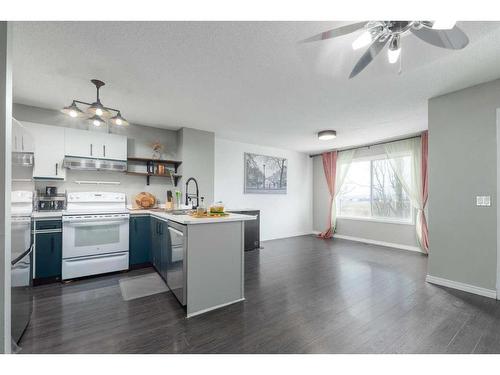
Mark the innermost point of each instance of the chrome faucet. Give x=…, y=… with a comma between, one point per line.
x=190, y=196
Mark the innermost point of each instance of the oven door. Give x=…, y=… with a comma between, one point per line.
x=87, y=235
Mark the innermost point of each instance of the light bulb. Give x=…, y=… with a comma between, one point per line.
x=73, y=113
x=393, y=55
x=97, y=123
x=98, y=112
x=444, y=25
x=118, y=121
x=363, y=40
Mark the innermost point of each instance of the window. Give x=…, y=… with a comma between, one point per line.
x=372, y=190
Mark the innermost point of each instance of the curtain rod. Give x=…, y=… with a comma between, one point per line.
x=371, y=144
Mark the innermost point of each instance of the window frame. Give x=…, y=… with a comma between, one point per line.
x=371, y=218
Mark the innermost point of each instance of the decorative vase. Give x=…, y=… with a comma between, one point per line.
x=157, y=147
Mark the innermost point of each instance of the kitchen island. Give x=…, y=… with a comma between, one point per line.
x=200, y=259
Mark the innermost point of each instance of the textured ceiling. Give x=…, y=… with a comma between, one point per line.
x=247, y=81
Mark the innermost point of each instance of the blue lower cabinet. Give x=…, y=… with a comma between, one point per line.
x=48, y=255
x=140, y=240
x=159, y=240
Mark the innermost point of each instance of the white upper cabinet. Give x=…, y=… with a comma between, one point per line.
x=79, y=143
x=48, y=150
x=88, y=144
x=22, y=139
x=114, y=147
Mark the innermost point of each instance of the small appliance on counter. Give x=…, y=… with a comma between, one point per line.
x=51, y=191
x=50, y=200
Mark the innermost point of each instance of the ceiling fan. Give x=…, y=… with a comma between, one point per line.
x=381, y=33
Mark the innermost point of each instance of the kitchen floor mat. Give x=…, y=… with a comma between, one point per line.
x=142, y=286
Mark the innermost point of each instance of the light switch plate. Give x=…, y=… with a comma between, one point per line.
x=483, y=200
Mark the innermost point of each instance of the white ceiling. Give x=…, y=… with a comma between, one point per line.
x=246, y=81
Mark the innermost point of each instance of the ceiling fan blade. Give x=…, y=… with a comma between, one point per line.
x=454, y=38
x=333, y=33
x=369, y=55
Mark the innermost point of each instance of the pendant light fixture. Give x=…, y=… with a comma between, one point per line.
x=72, y=110
x=99, y=115
x=119, y=120
x=97, y=121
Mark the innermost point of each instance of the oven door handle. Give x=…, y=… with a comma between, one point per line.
x=94, y=223
x=94, y=219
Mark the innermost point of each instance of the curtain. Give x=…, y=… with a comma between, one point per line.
x=424, y=237
x=330, y=169
x=411, y=179
x=335, y=165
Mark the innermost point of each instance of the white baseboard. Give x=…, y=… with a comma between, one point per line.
x=288, y=236
x=380, y=243
x=462, y=286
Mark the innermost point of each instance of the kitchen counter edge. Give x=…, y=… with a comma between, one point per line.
x=189, y=220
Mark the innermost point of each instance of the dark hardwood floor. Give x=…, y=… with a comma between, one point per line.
x=303, y=295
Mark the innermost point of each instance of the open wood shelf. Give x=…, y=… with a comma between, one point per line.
x=152, y=165
x=148, y=175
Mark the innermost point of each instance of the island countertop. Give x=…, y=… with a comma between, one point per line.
x=189, y=220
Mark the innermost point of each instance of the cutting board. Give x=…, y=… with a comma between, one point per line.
x=145, y=200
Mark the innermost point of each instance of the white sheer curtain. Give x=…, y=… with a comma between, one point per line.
x=344, y=160
x=411, y=180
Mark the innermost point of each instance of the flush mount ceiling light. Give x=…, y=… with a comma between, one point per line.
x=378, y=34
x=326, y=135
x=97, y=112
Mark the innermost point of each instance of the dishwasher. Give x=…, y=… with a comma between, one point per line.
x=176, y=261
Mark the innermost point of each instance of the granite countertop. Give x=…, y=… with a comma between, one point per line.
x=241, y=209
x=187, y=219
x=181, y=219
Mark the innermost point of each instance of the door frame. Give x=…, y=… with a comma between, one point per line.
x=497, y=205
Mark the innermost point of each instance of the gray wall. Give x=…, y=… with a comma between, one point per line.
x=400, y=234
x=462, y=164
x=139, y=141
x=197, y=152
x=5, y=168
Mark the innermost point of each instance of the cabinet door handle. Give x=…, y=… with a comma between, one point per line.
x=57, y=166
x=104, y=150
x=51, y=244
x=22, y=143
x=135, y=226
x=91, y=149
x=15, y=142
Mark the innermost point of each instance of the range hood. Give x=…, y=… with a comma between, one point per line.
x=90, y=164
x=22, y=159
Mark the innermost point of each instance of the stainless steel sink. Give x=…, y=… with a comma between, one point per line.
x=179, y=212
x=173, y=212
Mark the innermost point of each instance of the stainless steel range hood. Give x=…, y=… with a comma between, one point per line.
x=90, y=164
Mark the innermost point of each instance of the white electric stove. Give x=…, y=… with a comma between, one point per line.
x=95, y=234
